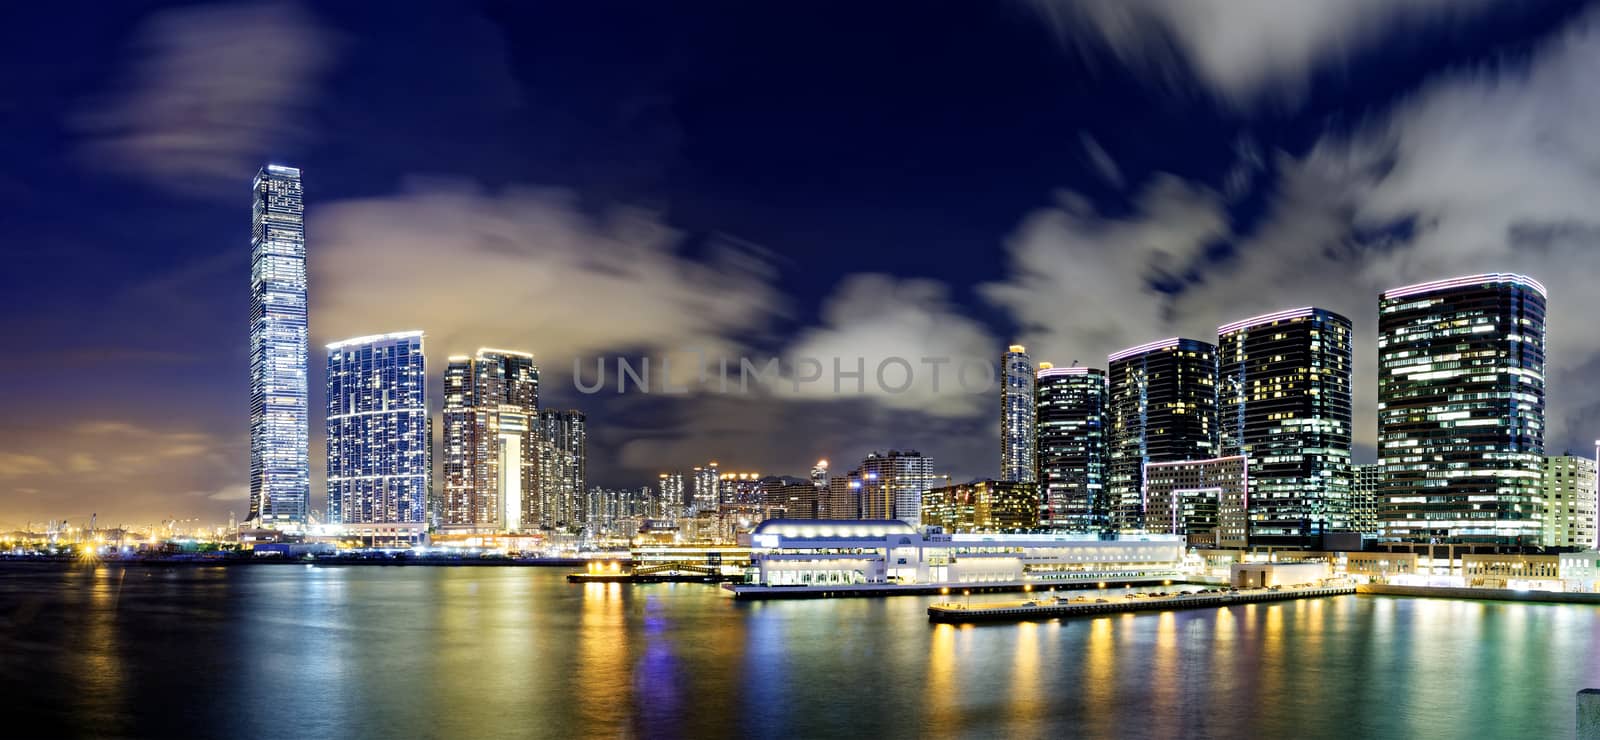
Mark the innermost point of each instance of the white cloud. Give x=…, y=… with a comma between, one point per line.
x=1242, y=49
x=211, y=90
x=525, y=269
x=877, y=321
x=1082, y=285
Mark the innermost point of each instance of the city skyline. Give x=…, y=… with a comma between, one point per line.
x=669, y=224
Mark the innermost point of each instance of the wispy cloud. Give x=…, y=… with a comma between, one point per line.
x=210, y=91
x=1244, y=50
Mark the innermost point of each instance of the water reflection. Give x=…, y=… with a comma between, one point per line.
x=494, y=652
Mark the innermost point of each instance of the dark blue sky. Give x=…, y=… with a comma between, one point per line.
x=828, y=139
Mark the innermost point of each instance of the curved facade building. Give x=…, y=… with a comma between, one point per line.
x=1162, y=407
x=1072, y=447
x=1284, y=403
x=1461, y=410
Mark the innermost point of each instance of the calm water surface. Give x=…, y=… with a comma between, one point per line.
x=359, y=652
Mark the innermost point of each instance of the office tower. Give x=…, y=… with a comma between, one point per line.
x=843, y=497
x=1072, y=447
x=892, y=485
x=673, y=497
x=1364, y=498
x=819, y=475
x=1461, y=410
x=1570, y=501
x=1204, y=499
x=491, y=441
x=982, y=506
x=1283, y=401
x=1161, y=406
x=380, y=467
x=1016, y=416
x=563, y=463
x=280, y=469
x=705, y=496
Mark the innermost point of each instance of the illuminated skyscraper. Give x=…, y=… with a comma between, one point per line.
x=1072, y=447
x=1284, y=403
x=982, y=506
x=891, y=485
x=1461, y=410
x=1016, y=416
x=706, y=479
x=671, y=498
x=380, y=467
x=563, y=469
x=1161, y=407
x=491, y=441
x=280, y=470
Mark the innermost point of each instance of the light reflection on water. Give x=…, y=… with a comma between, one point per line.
x=498, y=652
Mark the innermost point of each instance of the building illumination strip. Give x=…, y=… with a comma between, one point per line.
x=1051, y=372
x=1466, y=281
x=1167, y=343
x=1293, y=313
x=375, y=338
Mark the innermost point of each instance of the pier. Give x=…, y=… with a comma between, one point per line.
x=1057, y=608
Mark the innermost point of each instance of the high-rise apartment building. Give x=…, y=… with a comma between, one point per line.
x=1284, y=403
x=1161, y=407
x=982, y=506
x=380, y=465
x=280, y=469
x=1570, y=502
x=1016, y=416
x=1071, y=404
x=1461, y=410
x=842, y=500
x=892, y=485
x=1364, y=484
x=672, y=497
x=705, y=496
x=491, y=441
x=563, y=469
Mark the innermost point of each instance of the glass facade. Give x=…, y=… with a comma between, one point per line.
x=280, y=468
x=1161, y=407
x=1070, y=413
x=563, y=469
x=1461, y=410
x=982, y=506
x=1364, y=484
x=1284, y=403
x=491, y=441
x=1016, y=416
x=380, y=462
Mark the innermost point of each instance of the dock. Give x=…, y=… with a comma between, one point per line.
x=755, y=592
x=1059, y=608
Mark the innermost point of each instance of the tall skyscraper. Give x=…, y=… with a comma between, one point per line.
x=891, y=485
x=1161, y=407
x=1461, y=410
x=1570, y=502
x=563, y=469
x=491, y=441
x=672, y=497
x=705, y=496
x=380, y=467
x=1072, y=447
x=280, y=469
x=1016, y=416
x=1284, y=403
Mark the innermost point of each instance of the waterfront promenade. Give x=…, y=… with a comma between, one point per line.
x=1035, y=609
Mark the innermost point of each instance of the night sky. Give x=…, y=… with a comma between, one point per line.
x=600, y=179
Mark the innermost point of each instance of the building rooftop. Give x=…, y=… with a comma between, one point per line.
x=834, y=527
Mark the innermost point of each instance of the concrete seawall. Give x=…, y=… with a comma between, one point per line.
x=1484, y=594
